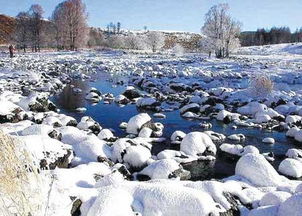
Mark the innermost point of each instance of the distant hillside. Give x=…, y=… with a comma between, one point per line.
x=276, y=49
x=7, y=26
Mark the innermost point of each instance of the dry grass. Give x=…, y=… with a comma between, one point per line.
x=19, y=180
x=261, y=85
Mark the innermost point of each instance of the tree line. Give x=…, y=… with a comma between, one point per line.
x=66, y=29
x=274, y=35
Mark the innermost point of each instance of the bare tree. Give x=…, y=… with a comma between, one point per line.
x=156, y=40
x=221, y=30
x=22, y=30
x=35, y=24
x=70, y=19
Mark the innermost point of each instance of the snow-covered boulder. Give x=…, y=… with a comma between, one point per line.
x=237, y=137
x=274, y=198
x=136, y=122
x=87, y=123
x=256, y=169
x=145, y=132
x=291, y=167
x=105, y=134
x=162, y=169
x=177, y=136
x=292, y=206
x=147, y=103
x=131, y=153
x=252, y=108
x=196, y=143
x=193, y=107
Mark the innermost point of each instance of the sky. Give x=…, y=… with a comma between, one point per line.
x=178, y=15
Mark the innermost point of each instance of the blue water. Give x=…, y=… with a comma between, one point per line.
x=111, y=115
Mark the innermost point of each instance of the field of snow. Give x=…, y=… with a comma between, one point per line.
x=88, y=170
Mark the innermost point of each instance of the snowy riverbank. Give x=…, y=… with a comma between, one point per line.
x=86, y=168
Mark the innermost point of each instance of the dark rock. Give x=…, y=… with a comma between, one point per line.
x=141, y=177
x=125, y=172
x=72, y=123
x=213, y=101
x=61, y=162
x=105, y=160
x=227, y=120
x=183, y=174
x=131, y=94
x=55, y=135
x=76, y=207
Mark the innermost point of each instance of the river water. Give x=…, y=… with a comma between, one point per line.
x=111, y=115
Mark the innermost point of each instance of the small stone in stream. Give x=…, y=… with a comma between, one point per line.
x=159, y=115
x=205, y=125
x=81, y=109
x=268, y=140
x=227, y=119
x=123, y=125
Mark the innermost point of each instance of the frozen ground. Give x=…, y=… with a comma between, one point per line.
x=90, y=169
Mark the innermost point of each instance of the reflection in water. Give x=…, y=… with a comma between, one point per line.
x=111, y=115
x=70, y=100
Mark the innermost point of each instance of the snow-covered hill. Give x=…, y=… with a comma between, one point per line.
x=276, y=49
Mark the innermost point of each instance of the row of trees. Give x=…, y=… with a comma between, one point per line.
x=151, y=40
x=29, y=28
x=67, y=28
x=275, y=35
x=114, y=28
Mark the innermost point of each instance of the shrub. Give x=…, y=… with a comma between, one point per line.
x=261, y=85
x=20, y=182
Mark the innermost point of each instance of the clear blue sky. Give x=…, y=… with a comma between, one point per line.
x=180, y=15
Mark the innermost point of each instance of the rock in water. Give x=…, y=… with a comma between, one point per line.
x=256, y=169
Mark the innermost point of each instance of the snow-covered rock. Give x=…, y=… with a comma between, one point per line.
x=256, y=169
x=291, y=167
x=136, y=122
x=196, y=143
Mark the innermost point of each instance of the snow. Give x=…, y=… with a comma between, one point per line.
x=136, y=123
x=256, y=169
x=265, y=210
x=136, y=156
x=292, y=206
x=109, y=199
x=237, y=137
x=205, y=89
x=105, y=134
x=195, y=143
x=274, y=198
x=177, y=136
x=145, y=132
x=291, y=167
x=7, y=107
x=44, y=147
x=268, y=140
x=232, y=149
x=160, y=169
